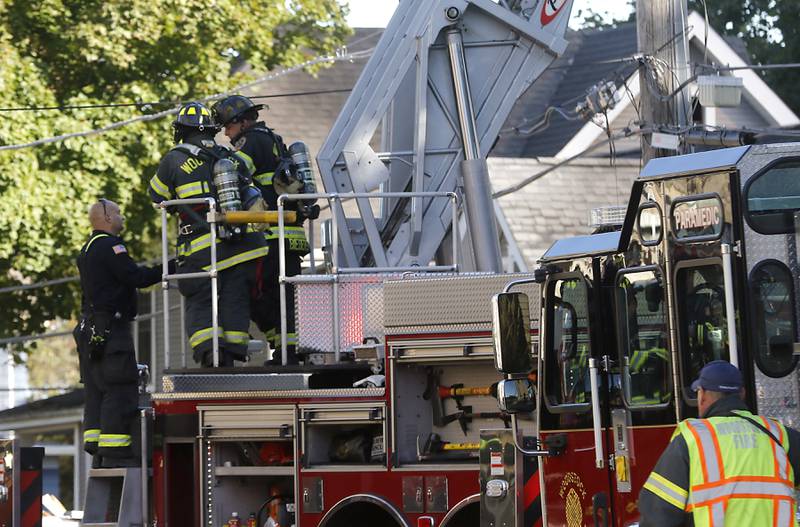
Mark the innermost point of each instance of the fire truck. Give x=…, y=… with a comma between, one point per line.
x=381, y=424
x=701, y=265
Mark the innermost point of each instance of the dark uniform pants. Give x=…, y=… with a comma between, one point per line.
x=234, y=286
x=266, y=306
x=112, y=394
x=92, y=394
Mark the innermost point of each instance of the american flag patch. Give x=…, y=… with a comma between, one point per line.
x=119, y=249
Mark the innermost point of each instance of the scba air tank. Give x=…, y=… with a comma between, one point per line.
x=301, y=159
x=226, y=179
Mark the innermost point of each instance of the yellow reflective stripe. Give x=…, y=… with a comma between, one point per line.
x=196, y=245
x=190, y=189
x=202, y=335
x=237, y=337
x=89, y=244
x=91, y=436
x=248, y=162
x=246, y=256
x=666, y=490
x=159, y=187
x=291, y=339
x=114, y=440
x=264, y=179
x=290, y=233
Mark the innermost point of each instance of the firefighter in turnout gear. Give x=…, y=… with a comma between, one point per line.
x=268, y=159
x=109, y=279
x=729, y=467
x=188, y=171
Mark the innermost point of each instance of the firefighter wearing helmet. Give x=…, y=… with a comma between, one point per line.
x=274, y=174
x=199, y=168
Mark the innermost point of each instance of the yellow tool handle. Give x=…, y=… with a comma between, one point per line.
x=267, y=216
x=487, y=390
x=461, y=446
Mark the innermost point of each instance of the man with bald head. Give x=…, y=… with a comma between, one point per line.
x=109, y=279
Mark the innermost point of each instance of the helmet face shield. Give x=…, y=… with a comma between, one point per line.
x=232, y=108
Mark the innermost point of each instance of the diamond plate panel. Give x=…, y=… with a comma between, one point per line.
x=314, y=316
x=456, y=300
x=242, y=382
x=776, y=397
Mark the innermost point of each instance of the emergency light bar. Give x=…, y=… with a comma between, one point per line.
x=611, y=216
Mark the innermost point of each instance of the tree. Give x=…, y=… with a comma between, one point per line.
x=92, y=52
x=771, y=31
x=589, y=18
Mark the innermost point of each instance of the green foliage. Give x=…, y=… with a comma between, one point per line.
x=77, y=52
x=771, y=31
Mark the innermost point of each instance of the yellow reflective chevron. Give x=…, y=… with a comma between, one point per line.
x=191, y=110
x=159, y=187
x=667, y=490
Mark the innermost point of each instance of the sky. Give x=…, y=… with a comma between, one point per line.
x=376, y=13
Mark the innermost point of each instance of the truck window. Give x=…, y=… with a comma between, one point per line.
x=775, y=330
x=642, y=332
x=702, y=326
x=773, y=197
x=567, y=368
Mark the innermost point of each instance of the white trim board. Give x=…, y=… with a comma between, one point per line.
x=763, y=99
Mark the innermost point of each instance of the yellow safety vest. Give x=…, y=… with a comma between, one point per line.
x=737, y=474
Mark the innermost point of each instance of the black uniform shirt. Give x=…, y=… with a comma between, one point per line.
x=110, y=277
x=674, y=466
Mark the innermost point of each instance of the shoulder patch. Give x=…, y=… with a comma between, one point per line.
x=119, y=249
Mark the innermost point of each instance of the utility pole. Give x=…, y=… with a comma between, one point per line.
x=661, y=29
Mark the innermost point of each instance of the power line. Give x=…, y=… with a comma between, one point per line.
x=143, y=105
x=164, y=113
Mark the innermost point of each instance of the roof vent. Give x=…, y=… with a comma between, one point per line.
x=613, y=216
x=718, y=91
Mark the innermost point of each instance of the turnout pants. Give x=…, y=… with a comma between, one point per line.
x=92, y=394
x=266, y=306
x=234, y=286
x=112, y=394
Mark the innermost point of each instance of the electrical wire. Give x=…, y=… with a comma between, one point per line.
x=144, y=105
x=152, y=117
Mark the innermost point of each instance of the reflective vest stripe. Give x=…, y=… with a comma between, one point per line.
x=91, y=436
x=246, y=256
x=159, y=187
x=114, y=440
x=708, y=457
x=196, y=245
x=781, y=459
x=741, y=488
x=784, y=512
x=666, y=490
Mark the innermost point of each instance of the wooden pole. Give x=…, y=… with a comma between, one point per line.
x=661, y=28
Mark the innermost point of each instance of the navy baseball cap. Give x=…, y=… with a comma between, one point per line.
x=719, y=376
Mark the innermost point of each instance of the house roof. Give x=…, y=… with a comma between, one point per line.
x=42, y=410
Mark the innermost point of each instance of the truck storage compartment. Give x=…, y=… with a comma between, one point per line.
x=247, y=456
x=341, y=435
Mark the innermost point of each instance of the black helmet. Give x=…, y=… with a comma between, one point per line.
x=232, y=108
x=193, y=117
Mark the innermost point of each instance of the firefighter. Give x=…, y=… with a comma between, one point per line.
x=266, y=154
x=188, y=170
x=109, y=279
x=729, y=467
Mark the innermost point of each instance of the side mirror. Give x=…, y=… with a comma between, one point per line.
x=516, y=395
x=511, y=330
